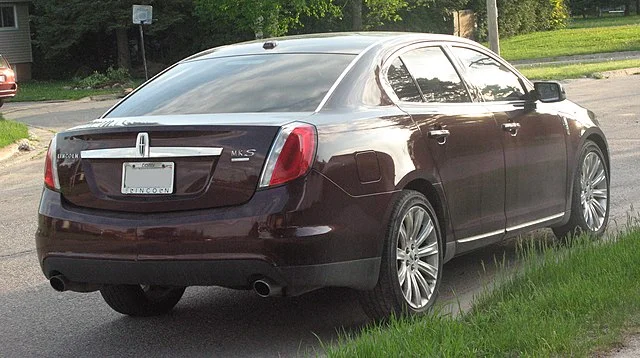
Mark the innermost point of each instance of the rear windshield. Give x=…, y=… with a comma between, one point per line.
x=241, y=84
x=3, y=62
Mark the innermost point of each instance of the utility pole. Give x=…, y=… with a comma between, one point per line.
x=492, y=23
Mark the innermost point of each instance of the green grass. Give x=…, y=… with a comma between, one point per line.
x=564, y=301
x=55, y=90
x=578, y=70
x=605, y=21
x=11, y=131
x=572, y=41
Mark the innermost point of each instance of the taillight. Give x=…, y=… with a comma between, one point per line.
x=291, y=155
x=51, y=170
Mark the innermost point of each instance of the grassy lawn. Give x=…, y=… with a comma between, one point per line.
x=565, y=301
x=576, y=70
x=610, y=20
x=55, y=90
x=572, y=41
x=11, y=131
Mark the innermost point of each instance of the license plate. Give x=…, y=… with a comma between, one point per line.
x=2, y=78
x=147, y=178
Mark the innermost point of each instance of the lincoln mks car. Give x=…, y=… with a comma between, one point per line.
x=358, y=160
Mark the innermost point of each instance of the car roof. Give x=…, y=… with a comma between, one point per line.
x=340, y=42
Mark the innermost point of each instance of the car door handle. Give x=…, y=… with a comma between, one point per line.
x=440, y=135
x=512, y=128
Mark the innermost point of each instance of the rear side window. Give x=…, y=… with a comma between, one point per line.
x=495, y=81
x=436, y=76
x=240, y=84
x=3, y=63
x=402, y=83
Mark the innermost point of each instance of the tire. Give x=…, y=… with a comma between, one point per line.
x=393, y=296
x=141, y=301
x=590, y=198
x=1, y=102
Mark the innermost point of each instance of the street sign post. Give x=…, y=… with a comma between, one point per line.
x=143, y=15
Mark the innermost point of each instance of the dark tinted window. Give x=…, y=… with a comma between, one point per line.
x=7, y=16
x=257, y=83
x=436, y=76
x=402, y=83
x=495, y=81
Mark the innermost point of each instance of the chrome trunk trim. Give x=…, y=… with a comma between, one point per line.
x=153, y=152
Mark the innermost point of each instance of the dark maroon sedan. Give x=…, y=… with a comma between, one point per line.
x=354, y=160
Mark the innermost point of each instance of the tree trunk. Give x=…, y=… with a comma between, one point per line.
x=637, y=7
x=357, y=15
x=627, y=8
x=122, y=40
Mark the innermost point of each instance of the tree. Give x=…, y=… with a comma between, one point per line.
x=273, y=17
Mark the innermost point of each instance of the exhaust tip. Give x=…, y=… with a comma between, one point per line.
x=58, y=283
x=262, y=288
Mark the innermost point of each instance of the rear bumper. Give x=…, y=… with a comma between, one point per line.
x=303, y=235
x=228, y=273
x=8, y=91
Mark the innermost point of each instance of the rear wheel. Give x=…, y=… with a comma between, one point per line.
x=143, y=301
x=590, y=202
x=411, y=265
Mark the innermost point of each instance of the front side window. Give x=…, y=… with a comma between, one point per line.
x=239, y=84
x=7, y=17
x=402, y=83
x=495, y=81
x=436, y=76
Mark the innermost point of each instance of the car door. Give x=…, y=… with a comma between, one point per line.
x=462, y=137
x=533, y=135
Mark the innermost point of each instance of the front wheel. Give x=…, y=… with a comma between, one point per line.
x=411, y=265
x=590, y=202
x=142, y=301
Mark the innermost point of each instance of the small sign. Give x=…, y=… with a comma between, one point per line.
x=142, y=14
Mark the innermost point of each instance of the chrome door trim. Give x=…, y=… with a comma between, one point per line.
x=153, y=152
x=535, y=222
x=482, y=236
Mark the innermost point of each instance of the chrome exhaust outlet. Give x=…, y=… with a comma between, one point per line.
x=61, y=284
x=267, y=288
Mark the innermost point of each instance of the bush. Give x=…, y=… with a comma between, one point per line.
x=523, y=16
x=109, y=78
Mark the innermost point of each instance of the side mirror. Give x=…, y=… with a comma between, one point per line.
x=550, y=92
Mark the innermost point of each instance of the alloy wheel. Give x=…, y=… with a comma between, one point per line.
x=594, y=196
x=417, y=257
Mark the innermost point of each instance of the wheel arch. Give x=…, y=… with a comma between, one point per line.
x=435, y=196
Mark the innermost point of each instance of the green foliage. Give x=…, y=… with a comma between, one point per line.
x=110, y=77
x=271, y=17
x=523, y=16
x=593, y=70
x=558, y=303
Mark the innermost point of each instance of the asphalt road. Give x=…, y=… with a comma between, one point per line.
x=37, y=321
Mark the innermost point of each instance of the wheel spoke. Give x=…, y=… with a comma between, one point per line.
x=416, y=291
x=402, y=273
x=402, y=255
x=418, y=217
x=425, y=233
x=600, y=177
x=408, y=226
x=599, y=209
x=600, y=193
x=408, y=292
x=428, y=269
x=424, y=285
x=428, y=250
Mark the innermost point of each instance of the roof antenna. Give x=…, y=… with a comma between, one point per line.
x=270, y=45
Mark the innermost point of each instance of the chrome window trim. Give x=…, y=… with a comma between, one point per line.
x=154, y=152
x=535, y=222
x=388, y=89
x=482, y=236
